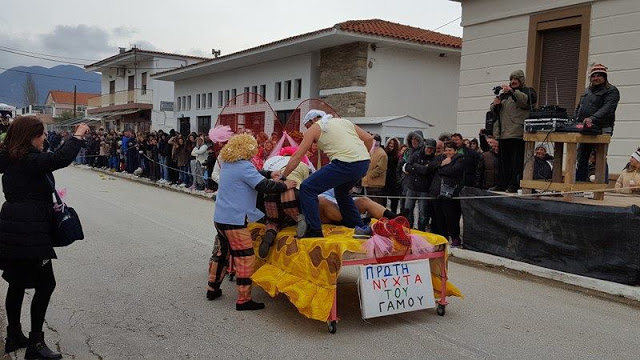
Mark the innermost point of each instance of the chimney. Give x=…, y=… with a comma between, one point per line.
x=122, y=50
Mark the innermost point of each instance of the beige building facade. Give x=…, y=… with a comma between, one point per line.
x=555, y=42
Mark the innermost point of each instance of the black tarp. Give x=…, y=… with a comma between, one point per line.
x=601, y=242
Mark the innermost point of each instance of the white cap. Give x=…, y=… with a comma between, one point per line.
x=636, y=155
x=312, y=114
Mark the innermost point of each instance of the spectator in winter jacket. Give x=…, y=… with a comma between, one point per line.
x=488, y=167
x=415, y=142
x=597, y=108
x=200, y=153
x=376, y=176
x=391, y=183
x=471, y=159
x=447, y=169
x=630, y=176
x=542, y=167
x=513, y=106
x=418, y=185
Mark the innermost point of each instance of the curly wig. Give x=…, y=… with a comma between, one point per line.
x=239, y=147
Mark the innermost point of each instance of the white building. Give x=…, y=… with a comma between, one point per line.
x=130, y=98
x=367, y=68
x=555, y=42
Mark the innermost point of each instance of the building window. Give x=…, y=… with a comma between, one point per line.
x=263, y=92
x=297, y=89
x=287, y=90
x=557, y=54
x=197, y=101
x=204, y=124
x=220, y=99
x=204, y=101
x=144, y=83
x=188, y=102
x=277, y=92
x=233, y=96
x=254, y=94
x=179, y=104
x=246, y=95
x=209, y=100
x=226, y=97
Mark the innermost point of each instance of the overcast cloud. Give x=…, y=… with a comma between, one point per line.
x=79, y=29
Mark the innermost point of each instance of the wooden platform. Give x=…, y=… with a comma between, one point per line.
x=612, y=199
x=568, y=183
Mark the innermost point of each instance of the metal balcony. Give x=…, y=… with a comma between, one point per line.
x=136, y=96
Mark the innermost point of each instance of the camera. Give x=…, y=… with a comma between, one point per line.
x=496, y=90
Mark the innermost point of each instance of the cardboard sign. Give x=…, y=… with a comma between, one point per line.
x=395, y=288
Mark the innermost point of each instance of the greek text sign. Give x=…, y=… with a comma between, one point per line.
x=395, y=288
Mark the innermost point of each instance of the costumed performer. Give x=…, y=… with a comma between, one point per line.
x=283, y=208
x=238, y=189
x=347, y=146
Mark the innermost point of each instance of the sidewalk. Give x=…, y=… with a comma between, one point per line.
x=607, y=287
x=124, y=175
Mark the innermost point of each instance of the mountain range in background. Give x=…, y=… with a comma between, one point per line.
x=62, y=77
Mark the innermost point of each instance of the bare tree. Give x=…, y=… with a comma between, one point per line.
x=30, y=91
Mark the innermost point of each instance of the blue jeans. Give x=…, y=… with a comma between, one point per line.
x=183, y=175
x=113, y=162
x=423, y=210
x=164, y=171
x=341, y=176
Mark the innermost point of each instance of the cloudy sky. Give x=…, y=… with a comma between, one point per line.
x=83, y=31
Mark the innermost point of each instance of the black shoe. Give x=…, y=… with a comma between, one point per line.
x=312, y=234
x=15, y=339
x=512, y=190
x=266, y=242
x=498, y=188
x=213, y=294
x=37, y=349
x=250, y=305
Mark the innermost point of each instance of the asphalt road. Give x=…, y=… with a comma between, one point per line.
x=135, y=288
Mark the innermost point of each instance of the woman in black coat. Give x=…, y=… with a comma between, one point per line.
x=26, y=224
x=448, y=169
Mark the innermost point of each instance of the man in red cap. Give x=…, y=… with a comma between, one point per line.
x=597, y=109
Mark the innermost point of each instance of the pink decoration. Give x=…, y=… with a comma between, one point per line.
x=420, y=245
x=220, y=134
x=378, y=245
x=62, y=193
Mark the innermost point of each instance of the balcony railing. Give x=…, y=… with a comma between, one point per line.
x=140, y=96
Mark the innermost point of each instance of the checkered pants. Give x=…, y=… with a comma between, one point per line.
x=232, y=240
x=281, y=208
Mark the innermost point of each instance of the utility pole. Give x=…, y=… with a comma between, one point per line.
x=74, y=101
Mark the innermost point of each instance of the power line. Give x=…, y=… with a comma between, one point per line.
x=441, y=26
x=42, y=58
x=42, y=54
x=53, y=76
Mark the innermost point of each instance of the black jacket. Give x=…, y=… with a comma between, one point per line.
x=26, y=218
x=402, y=178
x=542, y=168
x=419, y=180
x=470, y=160
x=450, y=174
x=599, y=104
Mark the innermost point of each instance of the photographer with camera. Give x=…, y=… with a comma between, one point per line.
x=510, y=108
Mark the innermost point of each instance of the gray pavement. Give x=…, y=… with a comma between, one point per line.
x=135, y=288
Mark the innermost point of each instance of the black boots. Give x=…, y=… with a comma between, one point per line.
x=265, y=244
x=15, y=339
x=249, y=305
x=37, y=349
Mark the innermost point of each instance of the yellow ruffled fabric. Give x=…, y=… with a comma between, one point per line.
x=307, y=270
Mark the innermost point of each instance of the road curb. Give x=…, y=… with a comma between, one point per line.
x=145, y=181
x=607, y=287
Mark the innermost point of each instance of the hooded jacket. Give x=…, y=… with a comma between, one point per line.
x=404, y=180
x=514, y=109
x=542, y=169
x=377, y=173
x=419, y=180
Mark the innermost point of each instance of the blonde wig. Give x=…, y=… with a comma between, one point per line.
x=239, y=147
